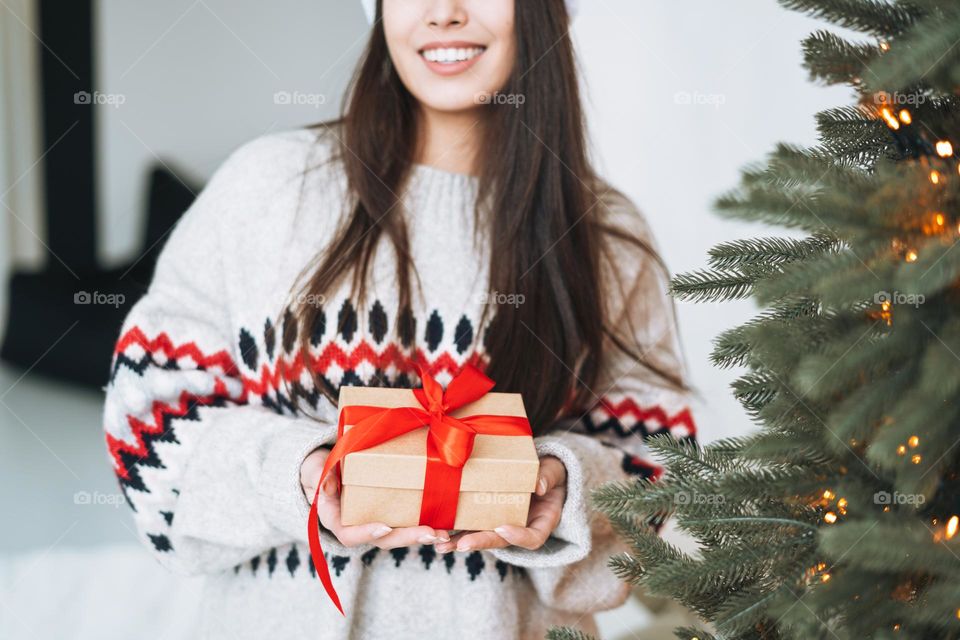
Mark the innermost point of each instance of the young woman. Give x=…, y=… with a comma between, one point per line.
x=450, y=217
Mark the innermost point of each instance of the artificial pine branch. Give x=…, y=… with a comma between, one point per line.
x=839, y=517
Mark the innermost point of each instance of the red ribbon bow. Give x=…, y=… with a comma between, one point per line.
x=449, y=445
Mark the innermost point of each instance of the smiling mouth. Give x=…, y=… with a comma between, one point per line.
x=451, y=55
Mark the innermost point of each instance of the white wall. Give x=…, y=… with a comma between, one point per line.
x=197, y=78
x=681, y=97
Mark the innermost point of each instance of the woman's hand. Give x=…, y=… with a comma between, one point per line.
x=545, y=508
x=328, y=508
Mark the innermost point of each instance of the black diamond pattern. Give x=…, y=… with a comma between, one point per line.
x=347, y=321
x=463, y=335
x=269, y=338
x=434, y=331
x=248, y=349
x=289, y=331
x=293, y=560
x=406, y=327
x=378, y=322
x=319, y=328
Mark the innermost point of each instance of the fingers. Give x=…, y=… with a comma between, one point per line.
x=473, y=541
x=407, y=536
x=376, y=533
x=552, y=474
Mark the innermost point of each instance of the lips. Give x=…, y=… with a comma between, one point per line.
x=451, y=58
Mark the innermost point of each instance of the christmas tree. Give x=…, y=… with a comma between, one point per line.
x=837, y=517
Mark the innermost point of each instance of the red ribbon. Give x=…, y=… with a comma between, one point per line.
x=449, y=445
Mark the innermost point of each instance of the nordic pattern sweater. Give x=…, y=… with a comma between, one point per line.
x=207, y=444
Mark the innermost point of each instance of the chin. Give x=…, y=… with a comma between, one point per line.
x=457, y=101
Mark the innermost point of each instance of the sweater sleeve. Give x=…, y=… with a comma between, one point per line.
x=606, y=443
x=213, y=479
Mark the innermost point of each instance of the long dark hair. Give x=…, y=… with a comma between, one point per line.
x=537, y=200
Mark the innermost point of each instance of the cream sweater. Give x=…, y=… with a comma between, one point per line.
x=207, y=446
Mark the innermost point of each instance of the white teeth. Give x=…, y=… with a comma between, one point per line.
x=449, y=56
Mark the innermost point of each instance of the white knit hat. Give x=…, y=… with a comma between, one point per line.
x=370, y=8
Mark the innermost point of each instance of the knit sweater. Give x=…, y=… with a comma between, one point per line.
x=207, y=444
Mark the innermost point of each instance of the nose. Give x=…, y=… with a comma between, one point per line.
x=446, y=13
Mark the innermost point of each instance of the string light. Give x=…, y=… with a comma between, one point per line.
x=935, y=176
x=886, y=312
x=829, y=517
x=914, y=442
x=952, y=526
x=944, y=148
x=901, y=450
x=828, y=495
x=892, y=122
x=915, y=458
x=935, y=225
x=905, y=116
x=911, y=256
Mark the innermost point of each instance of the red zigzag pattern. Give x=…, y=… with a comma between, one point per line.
x=292, y=370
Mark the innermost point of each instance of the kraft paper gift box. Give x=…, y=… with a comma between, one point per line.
x=385, y=483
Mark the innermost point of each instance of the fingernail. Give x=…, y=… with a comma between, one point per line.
x=542, y=484
x=381, y=531
x=445, y=539
x=500, y=530
x=463, y=547
x=427, y=539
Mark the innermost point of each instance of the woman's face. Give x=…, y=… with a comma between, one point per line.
x=451, y=54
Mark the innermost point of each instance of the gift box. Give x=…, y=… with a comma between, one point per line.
x=385, y=483
x=455, y=458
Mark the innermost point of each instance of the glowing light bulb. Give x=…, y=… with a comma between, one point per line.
x=914, y=441
x=905, y=116
x=915, y=458
x=891, y=121
x=944, y=148
x=952, y=524
x=829, y=517
x=901, y=450
x=935, y=177
x=828, y=495
x=911, y=256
